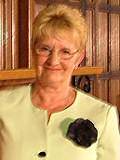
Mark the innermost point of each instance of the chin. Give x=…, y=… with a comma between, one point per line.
x=58, y=77
x=50, y=78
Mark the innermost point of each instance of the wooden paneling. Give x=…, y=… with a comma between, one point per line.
x=100, y=52
x=1, y=35
x=7, y=49
x=9, y=34
x=114, y=54
x=23, y=33
x=89, y=45
x=15, y=34
x=102, y=48
x=30, y=21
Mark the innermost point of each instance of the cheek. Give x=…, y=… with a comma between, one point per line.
x=41, y=61
x=68, y=65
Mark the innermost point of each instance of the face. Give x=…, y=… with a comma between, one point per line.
x=52, y=65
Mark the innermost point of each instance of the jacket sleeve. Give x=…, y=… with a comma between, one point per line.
x=109, y=142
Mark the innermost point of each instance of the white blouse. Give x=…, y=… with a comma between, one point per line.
x=26, y=134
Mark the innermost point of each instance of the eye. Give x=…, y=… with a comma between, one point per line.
x=43, y=50
x=64, y=51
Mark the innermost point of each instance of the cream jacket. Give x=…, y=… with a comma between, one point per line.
x=25, y=131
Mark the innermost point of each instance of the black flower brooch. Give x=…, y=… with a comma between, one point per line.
x=82, y=132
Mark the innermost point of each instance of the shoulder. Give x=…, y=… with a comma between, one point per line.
x=10, y=91
x=12, y=95
x=91, y=101
x=95, y=108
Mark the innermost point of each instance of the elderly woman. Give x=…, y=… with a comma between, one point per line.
x=50, y=119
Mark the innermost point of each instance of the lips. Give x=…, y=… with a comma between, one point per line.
x=53, y=68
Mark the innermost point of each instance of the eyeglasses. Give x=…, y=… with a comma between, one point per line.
x=45, y=51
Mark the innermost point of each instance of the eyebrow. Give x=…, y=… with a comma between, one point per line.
x=66, y=49
x=47, y=45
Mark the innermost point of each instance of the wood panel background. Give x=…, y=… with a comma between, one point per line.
x=102, y=49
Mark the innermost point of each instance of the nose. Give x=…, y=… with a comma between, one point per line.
x=54, y=58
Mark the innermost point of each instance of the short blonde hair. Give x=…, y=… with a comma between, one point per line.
x=56, y=19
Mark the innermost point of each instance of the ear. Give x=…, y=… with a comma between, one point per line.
x=80, y=59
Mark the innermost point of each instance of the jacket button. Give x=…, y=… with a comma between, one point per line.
x=41, y=154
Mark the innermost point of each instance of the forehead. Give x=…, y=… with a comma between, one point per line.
x=61, y=39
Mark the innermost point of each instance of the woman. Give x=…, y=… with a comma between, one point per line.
x=50, y=119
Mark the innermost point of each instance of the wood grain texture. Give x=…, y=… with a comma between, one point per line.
x=23, y=33
x=30, y=73
x=30, y=22
x=89, y=44
x=114, y=48
x=15, y=34
x=7, y=34
x=100, y=50
x=1, y=34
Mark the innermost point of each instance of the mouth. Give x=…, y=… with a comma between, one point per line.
x=53, y=68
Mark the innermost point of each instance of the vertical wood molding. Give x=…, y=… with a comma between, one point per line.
x=23, y=33
x=15, y=34
x=100, y=49
x=8, y=34
x=1, y=35
x=89, y=45
x=114, y=48
x=30, y=22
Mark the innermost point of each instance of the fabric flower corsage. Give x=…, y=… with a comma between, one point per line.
x=82, y=132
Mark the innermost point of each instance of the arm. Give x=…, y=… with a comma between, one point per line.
x=109, y=142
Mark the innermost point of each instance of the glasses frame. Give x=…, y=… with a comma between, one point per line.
x=51, y=52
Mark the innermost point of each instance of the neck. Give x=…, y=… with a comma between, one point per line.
x=52, y=97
